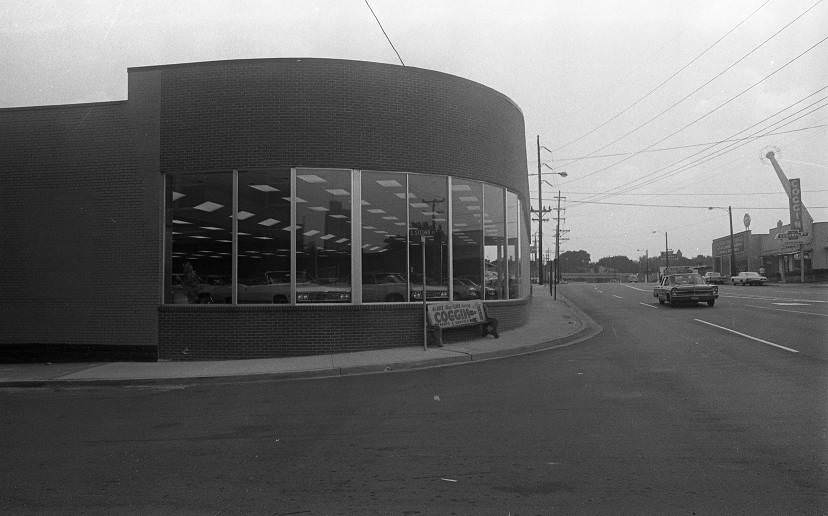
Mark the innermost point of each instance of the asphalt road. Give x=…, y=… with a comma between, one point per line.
x=667, y=411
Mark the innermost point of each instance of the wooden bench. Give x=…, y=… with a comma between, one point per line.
x=458, y=314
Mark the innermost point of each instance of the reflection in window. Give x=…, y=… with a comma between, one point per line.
x=198, y=238
x=384, y=270
x=513, y=264
x=323, y=236
x=523, y=252
x=264, y=236
x=494, y=242
x=427, y=210
x=467, y=238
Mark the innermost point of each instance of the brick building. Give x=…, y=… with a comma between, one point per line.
x=259, y=208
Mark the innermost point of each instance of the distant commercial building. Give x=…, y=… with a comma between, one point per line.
x=781, y=259
x=260, y=208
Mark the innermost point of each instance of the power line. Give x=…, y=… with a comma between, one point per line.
x=690, y=146
x=640, y=126
x=638, y=205
x=662, y=83
x=731, y=99
x=780, y=192
x=644, y=181
x=386, y=34
x=652, y=178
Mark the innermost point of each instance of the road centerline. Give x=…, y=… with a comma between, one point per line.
x=789, y=311
x=745, y=335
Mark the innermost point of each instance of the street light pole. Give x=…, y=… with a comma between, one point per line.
x=666, y=250
x=732, y=246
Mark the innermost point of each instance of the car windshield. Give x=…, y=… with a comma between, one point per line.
x=687, y=279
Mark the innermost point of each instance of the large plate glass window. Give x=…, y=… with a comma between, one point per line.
x=428, y=211
x=384, y=269
x=494, y=254
x=512, y=245
x=264, y=236
x=323, y=236
x=523, y=250
x=198, y=237
x=467, y=238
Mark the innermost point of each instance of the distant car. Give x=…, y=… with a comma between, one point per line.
x=714, y=278
x=392, y=287
x=748, y=278
x=685, y=288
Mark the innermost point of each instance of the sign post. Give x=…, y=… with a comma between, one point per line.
x=423, y=233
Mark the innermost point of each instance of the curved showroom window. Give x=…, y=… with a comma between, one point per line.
x=323, y=236
x=523, y=252
x=291, y=239
x=427, y=210
x=494, y=257
x=512, y=245
x=384, y=223
x=467, y=238
x=263, y=237
x=198, y=237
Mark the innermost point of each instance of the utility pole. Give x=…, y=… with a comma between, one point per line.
x=666, y=252
x=540, y=218
x=556, y=273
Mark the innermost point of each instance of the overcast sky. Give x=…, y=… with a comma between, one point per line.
x=604, y=81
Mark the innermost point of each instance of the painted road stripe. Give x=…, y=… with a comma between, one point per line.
x=789, y=311
x=773, y=298
x=619, y=297
x=648, y=304
x=747, y=336
x=790, y=304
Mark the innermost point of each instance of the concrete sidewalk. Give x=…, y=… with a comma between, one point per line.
x=552, y=323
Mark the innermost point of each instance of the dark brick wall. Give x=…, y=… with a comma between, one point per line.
x=334, y=113
x=221, y=332
x=79, y=226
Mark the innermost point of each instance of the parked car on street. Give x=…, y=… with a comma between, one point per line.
x=685, y=288
x=714, y=278
x=748, y=278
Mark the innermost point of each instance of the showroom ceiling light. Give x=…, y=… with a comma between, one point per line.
x=311, y=178
x=244, y=215
x=263, y=188
x=338, y=191
x=208, y=206
x=178, y=195
x=268, y=222
x=389, y=183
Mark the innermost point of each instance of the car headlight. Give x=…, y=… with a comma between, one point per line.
x=674, y=291
x=715, y=290
x=303, y=296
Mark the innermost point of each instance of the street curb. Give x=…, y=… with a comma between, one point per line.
x=588, y=330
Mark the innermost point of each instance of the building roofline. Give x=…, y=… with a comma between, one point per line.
x=62, y=106
x=300, y=59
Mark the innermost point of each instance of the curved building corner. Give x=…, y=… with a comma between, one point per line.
x=261, y=208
